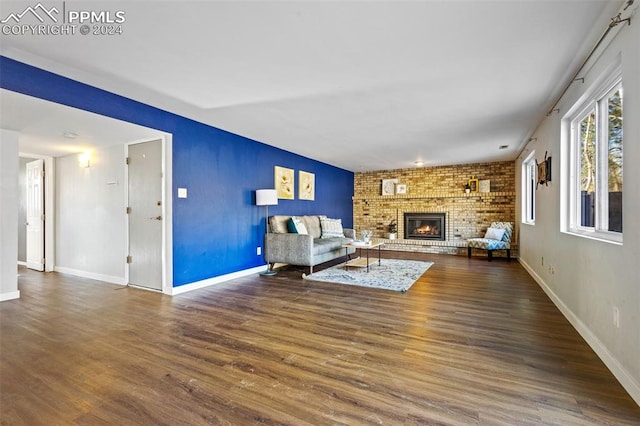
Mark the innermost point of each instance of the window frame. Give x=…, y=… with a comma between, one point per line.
x=596, y=100
x=529, y=171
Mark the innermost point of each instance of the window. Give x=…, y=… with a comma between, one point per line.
x=529, y=169
x=596, y=154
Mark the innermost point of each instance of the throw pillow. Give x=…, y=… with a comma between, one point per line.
x=313, y=225
x=278, y=224
x=296, y=226
x=494, y=234
x=331, y=228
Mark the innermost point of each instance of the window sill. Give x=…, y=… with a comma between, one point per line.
x=604, y=237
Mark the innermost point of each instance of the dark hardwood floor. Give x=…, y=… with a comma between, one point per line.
x=470, y=343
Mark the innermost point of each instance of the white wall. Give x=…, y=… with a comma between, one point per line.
x=90, y=216
x=587, y=278
x=8, y=215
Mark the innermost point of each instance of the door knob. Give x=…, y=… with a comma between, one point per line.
x=156, y=218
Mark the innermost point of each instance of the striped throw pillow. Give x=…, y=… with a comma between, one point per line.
x=331, y=228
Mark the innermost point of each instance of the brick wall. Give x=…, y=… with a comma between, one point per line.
x=436, y=189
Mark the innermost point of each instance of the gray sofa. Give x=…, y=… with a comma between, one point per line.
x=282, y=246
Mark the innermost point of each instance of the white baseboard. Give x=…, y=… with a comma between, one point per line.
x=10, y=295
x=215, y=280
x=626, y=380
x=173, y=291
x=91, y=275
x=21, y=263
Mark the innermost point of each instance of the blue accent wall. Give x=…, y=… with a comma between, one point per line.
x=217, y=228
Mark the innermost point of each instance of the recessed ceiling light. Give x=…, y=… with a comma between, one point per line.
x=70, y=135
x=503, y=147
x=419, y=163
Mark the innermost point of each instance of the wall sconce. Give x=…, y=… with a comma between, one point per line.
x=84, y=160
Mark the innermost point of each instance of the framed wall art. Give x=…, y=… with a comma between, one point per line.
x=389, y=186
x=283, y=182
x=544, y=171
x=306, y=186
x=473, y=184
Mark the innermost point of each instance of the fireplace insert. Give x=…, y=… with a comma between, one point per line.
x=425, y=226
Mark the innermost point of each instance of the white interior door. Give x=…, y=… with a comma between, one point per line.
x=145, y=214
x=35, y=215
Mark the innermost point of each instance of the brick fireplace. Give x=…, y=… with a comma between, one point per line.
x=432, y=190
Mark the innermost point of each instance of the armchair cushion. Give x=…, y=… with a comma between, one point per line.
x=487, y=244
x=494, y=234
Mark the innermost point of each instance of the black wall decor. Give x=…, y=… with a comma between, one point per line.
x=544, y=171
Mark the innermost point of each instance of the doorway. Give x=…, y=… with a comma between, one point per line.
x=146, y=214
x=22, y=209
x=41, y=240
x=66, y=248
x=35, y=215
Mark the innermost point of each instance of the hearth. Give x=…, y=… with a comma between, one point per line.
x=425, y=226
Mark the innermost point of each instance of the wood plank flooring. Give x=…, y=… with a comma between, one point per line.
x=470, y=343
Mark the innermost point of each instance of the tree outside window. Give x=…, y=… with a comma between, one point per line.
x=596, y=189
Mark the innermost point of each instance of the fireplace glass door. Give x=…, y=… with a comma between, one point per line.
x=425, y=226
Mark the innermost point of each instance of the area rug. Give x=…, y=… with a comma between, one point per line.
x=392, y=274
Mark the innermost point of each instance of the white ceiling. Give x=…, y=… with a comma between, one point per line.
x=363, y=85
x=42, y=126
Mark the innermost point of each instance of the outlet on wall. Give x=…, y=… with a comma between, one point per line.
x=258, y=251
x=616, y=317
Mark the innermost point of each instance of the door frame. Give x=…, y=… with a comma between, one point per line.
x=167, y=210
x=49, y=208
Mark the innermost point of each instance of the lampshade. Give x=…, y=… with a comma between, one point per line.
x=266, y=197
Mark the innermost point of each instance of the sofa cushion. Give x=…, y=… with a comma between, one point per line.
x=278, y=224
x=325, y=245
x=313, y=225
x=297, y=226
x=331, y=228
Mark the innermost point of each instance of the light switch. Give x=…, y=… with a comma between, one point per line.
x=182, y=192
